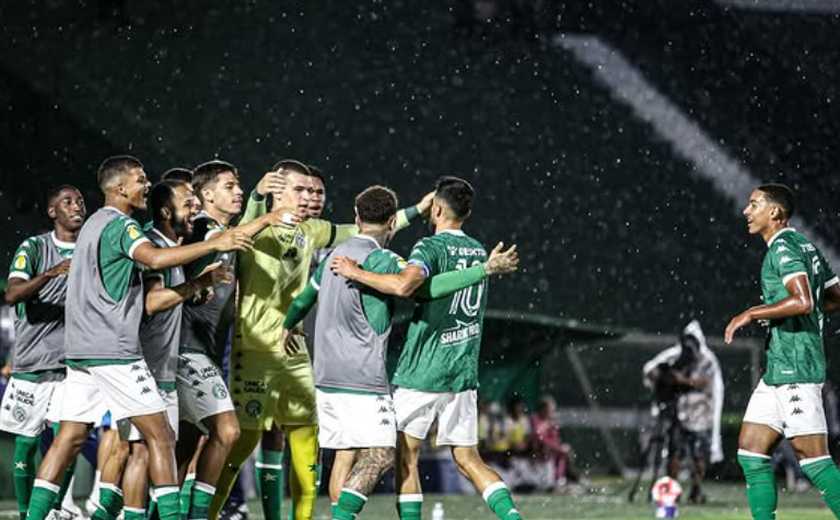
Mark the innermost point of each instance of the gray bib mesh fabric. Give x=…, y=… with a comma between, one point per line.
x=39, y=333
x=96, y=326
x=160, y=334
x=319, y=256
x=348, y=353
x=205, y=326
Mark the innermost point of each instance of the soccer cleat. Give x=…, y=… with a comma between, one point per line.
x=70, y=511
x=235, y=512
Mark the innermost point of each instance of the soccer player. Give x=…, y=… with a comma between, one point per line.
x=355, y=410
x=204, y=398
x=799, y=288
x=274, y=390
x=37, y=287
x=165, y=291
x=103, y=311
x=437, y=372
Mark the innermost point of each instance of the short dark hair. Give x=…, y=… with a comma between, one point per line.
x=161, y=196
x=782, y=196
x=376, y=205
x=208, y=173
x=293, y=165
x=456, y=193
x=115, y=166
x=177, y=174
x=316, y=172
x=55, y=192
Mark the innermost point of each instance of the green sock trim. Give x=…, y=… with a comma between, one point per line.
x=41, y=502
x=186, y=494
x=269, y=473
x=110, y=499
x=23, y=469
x=501, y=503
x=761, y=486
x=131, y=514
x=825, y=476
x=349, y=506
x=201, y=498
x=410, y=510
x=169, y=504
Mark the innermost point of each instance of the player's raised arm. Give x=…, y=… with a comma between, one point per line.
x=160, y=298
x=161, y=258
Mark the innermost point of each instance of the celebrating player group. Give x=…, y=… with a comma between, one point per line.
x=141, y=321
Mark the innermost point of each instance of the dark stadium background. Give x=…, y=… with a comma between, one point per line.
x=617, y=231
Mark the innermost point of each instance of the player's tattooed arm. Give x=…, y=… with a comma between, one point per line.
x=20, y=290
x=798, y=302
x=370, y=464
x=160, y=298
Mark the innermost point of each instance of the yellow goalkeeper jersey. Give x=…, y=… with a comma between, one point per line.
x=276, y=271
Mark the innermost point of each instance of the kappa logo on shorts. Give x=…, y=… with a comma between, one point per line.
x=385, y=422
x=797, y=411
x=199, y=394
x=145, y=390
x=253, y=408
x=220, y=391
x=383, y=409
x=135, y=368
x=795, y=399
x=19, y=414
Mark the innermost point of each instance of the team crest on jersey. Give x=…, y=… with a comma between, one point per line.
x=133, y=232
x=253, y=408
x=300, y=239
x=19, y=413
x=401, y=263
x=219, y=391
x=20, y=261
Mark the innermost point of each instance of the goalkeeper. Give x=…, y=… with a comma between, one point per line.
x=270, y=388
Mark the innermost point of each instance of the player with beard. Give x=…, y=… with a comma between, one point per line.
x=103, y=311
x=355, y=410
x=437, y=372
x=37, y=287
x=274, y=389
x=205, y=402
x=799, y=288
x=166, y=290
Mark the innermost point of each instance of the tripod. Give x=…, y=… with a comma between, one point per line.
x=663, y=431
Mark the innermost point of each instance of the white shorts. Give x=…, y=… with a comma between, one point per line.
x=347, y=421
x=456, y=414
x=28, y=406
x=202, y=392
x=129, y=432
x=792, y=409
x=127, y=390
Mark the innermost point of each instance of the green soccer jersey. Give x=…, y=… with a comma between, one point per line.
x=441, y=352
x=795, y=345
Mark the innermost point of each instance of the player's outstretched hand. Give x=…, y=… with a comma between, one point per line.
x=425, y=203
x=272, y=182
x=232, y=240
x=502, y=262
x=283, y=217
x=217, y=273
x=344, y=266
x=62, y=269
x=291, y=345
x=736, y=323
